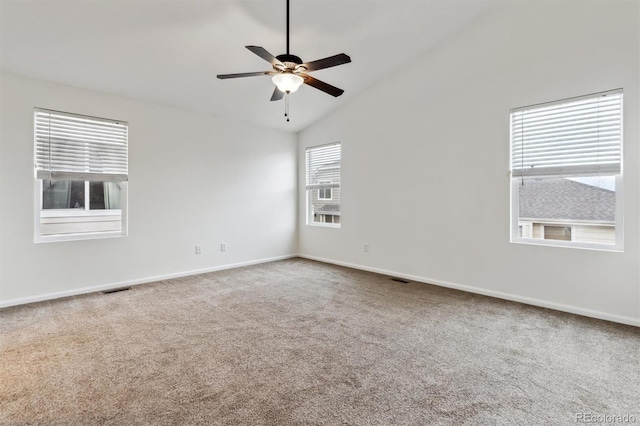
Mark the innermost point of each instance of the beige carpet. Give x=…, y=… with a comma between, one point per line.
x=301, y=342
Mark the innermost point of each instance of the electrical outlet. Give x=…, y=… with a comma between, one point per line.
x=366, y=248
x=198, y=249
x=223, y=247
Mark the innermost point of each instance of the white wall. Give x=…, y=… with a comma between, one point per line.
x=425, y=159
x=193, y=179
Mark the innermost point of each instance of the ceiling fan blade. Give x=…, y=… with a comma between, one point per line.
x=277, y=95
x=245, y=74
x=321, y=85
x=329, y=62
x=260, y=51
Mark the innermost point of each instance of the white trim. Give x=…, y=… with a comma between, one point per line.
x=491, y=293
x=619, y=225
x=84, y=116
x=55, y=238
x=85, y=290
x=566, y=222
x=470, y=289
x=79, y=212
x=325, y=225
x=565, y=100
x=568, y=244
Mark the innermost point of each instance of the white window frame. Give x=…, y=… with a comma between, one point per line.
x=40, y=213
x=516, y=180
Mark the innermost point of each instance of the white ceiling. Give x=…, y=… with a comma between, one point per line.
x=169, y=52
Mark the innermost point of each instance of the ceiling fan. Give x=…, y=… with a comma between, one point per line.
x=289, y=72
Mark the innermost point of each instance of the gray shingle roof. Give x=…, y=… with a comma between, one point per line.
x=563, y=199
x=329, y=208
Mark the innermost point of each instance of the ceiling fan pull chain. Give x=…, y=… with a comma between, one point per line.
x=286, y=106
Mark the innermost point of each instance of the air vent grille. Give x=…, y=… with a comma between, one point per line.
x=116, y=290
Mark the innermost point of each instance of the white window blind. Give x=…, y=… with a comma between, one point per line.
x=76, y=147
x=323, y=167
x=580, y=136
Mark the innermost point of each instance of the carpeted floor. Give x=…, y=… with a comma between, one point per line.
x=301, y=342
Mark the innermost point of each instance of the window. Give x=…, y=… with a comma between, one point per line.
x=562, y=233
x=323, y=185
x=326, y=218
x=566, y=172
x=324, y=193
x=81, y=176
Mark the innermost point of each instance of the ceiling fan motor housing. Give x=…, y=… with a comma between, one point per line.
x=290, y=61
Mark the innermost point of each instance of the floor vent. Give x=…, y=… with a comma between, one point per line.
x=116, y=290
x=399, y=280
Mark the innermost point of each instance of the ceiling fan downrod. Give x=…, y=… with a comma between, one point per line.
x=286, y=95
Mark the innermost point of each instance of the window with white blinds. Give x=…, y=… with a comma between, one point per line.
x=81, y=177
x=323, y=184
x=579, y=137
x=76, y=147
x=566, y=173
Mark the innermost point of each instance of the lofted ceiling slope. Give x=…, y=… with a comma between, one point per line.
x=169, y=52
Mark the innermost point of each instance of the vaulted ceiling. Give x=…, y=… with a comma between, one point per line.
x=169, y=52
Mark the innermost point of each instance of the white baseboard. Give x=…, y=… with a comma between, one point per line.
x=75, y=292
x=497, y=294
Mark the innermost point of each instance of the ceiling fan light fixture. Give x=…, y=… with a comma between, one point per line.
x=287, y=82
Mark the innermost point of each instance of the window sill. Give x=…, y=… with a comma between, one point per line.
x=79, y=213
x=78, y=237
x=324, y=225
x=569, y=244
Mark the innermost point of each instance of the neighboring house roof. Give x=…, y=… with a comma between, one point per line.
x=564, y=199
x=329, y=208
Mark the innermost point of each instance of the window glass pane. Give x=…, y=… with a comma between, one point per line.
x=562, y=233
x=62, y=194
x=112, y=195
x=77, y=195
x=55, y=194
x=104, y=195
x=560, y=207
x=96, y=195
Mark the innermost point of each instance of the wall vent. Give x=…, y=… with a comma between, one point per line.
x=116, y=290
x=399, y=280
